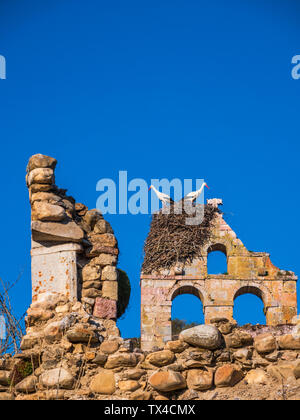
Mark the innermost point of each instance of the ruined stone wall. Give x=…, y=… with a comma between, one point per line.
x=73, y=350
x=69, y=354
x=74, y=250
x=247, y=272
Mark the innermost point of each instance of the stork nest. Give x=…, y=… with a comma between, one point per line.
x=171, y=240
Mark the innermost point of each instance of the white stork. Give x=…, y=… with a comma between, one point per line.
x=192, y=196
x=164, y=198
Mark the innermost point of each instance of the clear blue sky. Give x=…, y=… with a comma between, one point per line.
x=188, y=89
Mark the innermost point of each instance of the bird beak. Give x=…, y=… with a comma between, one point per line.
x=150, y=188
x=207, y=186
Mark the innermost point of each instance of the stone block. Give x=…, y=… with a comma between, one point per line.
x=167, y=381
x=105, y=239
x=91, y=273
x=121, y=360
x=265, y=343
x=128, y=386
x=110, y=290
x=200, y=379
x=289, y=342
x=56, y=232
x=228, y=375
x=41, y=161
x=109, y=273
x=57, y=378
x=103, y=383
x=105, y=259
x=46, y=212
x=105, y=308
x=40, y=176
x=161, y=358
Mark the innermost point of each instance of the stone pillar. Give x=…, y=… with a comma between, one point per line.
x=54, y=269
x=289, y=300
x=62, y=228
x=156, y=327
x=56, y=237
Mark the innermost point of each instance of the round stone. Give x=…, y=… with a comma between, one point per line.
x=204, y=336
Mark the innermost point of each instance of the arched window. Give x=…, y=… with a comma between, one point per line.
x=217, y=259
x=249, y=306
x=187, y=310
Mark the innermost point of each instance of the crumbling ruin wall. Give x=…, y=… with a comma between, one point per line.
x=73, y=350
x=74, y=250
x=247, y=272
x=68, y=354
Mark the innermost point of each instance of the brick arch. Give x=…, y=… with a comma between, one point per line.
x=253, y=288
x=224, y=238
x=227, y=245
x=191, y=288
x=217, y=246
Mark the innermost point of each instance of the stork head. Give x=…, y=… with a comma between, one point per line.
x=150, y=188
x=206, y=185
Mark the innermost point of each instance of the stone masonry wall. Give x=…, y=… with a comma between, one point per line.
x=72, y=349
x=69, y=354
